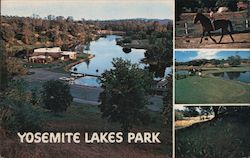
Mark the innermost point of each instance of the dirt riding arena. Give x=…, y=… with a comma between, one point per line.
x=188, y=34
x=242, y=40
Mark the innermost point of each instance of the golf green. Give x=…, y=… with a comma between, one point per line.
x=211, y=90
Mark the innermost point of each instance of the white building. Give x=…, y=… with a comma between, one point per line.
x=68, y=55
x=48, y=50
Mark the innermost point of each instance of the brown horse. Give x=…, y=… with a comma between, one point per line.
x=218, y=24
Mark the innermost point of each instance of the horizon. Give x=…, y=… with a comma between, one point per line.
x=44, y=18
x=90, y=10
x=185, y=56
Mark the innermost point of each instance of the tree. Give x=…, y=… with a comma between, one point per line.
x=15, y=66
x=190, y=111
x=234, y=60
x=216, y=110
x=215, y=62
x=206, y=110
x=56, y=96
x=231, y=4
x=51, y=17
x=168, y=102
x=123, y=99
x=16, y=110
x=3, y=67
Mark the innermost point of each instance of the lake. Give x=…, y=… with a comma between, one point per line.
x=105, y=49
x=243, y=76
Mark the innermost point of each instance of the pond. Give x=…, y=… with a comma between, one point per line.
x=182, y=72
x=105, y=49
x=243, y=76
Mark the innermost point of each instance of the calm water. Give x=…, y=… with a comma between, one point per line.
x=88, y=81
x=105, y=49
x=182, y=72
x=243, y=76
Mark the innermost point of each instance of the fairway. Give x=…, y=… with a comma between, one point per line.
x=196, y=90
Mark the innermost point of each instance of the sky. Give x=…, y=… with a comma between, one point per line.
x=90, y=9
x=183, y=56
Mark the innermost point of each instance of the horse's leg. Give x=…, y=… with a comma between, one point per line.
x=223, y=33
x=226, y=31
x=231, y=30
x=203, y=34
x=211, y=37
x=221, y=38
x=230, y=34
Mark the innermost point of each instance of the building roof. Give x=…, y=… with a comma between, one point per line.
x=48, y=50
x=68, y=53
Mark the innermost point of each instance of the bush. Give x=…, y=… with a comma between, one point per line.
x=16, y=110
x=56, y=96
x=179, y=115
x=178, y=76
x=127, y=40
x=22, y=117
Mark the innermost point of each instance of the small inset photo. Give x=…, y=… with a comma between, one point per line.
x=212, y=131
x=212, y=77
x=212, y=24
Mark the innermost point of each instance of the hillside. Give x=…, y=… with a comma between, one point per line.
x=23, y=32
x=226, y=137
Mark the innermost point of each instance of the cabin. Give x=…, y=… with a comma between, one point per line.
x=66, y=55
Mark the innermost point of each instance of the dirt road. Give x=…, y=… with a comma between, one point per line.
x=241, y=41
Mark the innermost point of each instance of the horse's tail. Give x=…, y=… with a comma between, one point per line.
x=231, y=26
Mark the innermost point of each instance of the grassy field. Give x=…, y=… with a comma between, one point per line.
x=223, y=138
x=87, y=118
x=197, y=90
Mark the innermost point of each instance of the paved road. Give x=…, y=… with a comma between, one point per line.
x=81, y=94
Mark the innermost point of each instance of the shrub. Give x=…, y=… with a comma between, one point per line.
x=56, y=96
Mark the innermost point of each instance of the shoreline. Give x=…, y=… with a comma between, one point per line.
x=69, y=66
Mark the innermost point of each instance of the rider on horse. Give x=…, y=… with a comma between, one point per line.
x=211, y=15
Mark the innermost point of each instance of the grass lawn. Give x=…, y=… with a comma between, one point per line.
x=196, y=90
x=89, y=117
x=223, y=138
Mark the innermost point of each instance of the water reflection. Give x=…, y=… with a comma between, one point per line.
x=243, y=76
x=105, y=49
